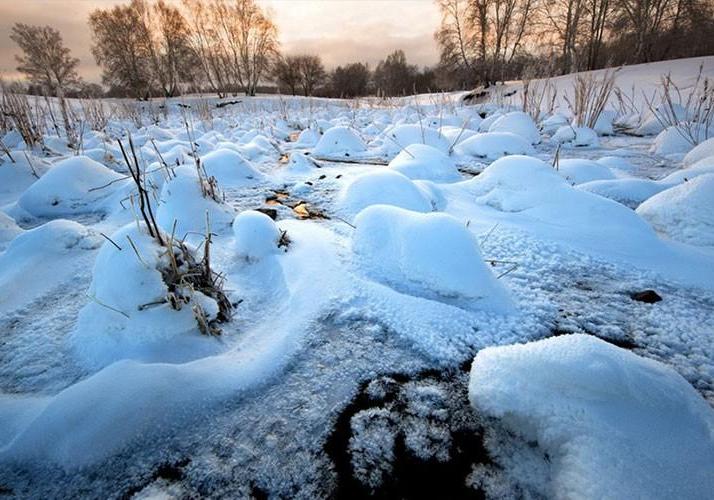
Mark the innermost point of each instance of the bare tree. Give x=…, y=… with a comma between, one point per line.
x=351, y=80
x=173, y=58
x=47, y=62
x=208, y=45
x=287, y=73
x=646, y=18
x=312, y=73
x=122, y=47
x=394, y=76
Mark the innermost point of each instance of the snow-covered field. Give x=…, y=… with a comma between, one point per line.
x=426, y=298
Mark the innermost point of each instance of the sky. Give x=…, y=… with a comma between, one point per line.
x=339, y=31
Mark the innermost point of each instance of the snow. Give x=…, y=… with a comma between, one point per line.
x=579, y=171
x=36, y=259
x=8, y=230
x=415, y=258
x=396, y=138
x=704, y=149
x=614, y=424
x=182, y=202
x=383, y=187
x=256, y=235
x=339, y=141
x=431, y=255
x=630, y=192
x=493, y=145
x=71, y=186
x=423, y=162
x=576, y=136
x=519, y=123
x=230, y=168
x=685, y=212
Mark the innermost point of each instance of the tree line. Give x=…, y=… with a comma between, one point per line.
x=484, y=41
x=152, y=48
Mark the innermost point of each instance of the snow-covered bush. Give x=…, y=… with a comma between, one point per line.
x=398, y=137
x=576, y=136
x=519, y=123
x=433, y=255
x=494, y=145
x=339, y=142
x=75, y=185
x=256, y=235
x=579, y=170
x=230, y=168
x=385, y=187
x=423, y=162
x=685, y=212
x=184, y=203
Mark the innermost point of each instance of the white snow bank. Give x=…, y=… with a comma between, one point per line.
x=230, y=168
x=39, y=258
x=579, y=170
x=685, y=212
x=519, y=123
x=70, y=187
x=631, y=192
x=423, y=162
x=308, y=138
x=130, y=400
x=8, y=230
x=494, y=145
x=578, y=137
x=256, y=235
x=182, y=201
x=702, y=150
x=339, y=141
x=398, y=137
x=385, y=187
x=614, y=425
x=17, y=176
x=676, y=140
x=432, y=255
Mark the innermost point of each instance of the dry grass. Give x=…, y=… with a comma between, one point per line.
x=590, y=96
x=696, y=104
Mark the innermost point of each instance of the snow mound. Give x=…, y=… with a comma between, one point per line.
x=300, y=163
x=532, y=190
x=704, y=166
x=629, y=192
x=308, y=138
x=551, y=124
x=37, y=259
x=673, y=141
x=702, y=150
x=8, y=230
x=129, y=315
x=578, y=171
x=519, y=123
x=230, y=168
x=398, y=137
x=578, y=137
x=383, y=187
x=494, y=145
x=17, y=176
x=256, y=235
x=685, y=212
x=65, y=188
x=424, y=162
x=432, y=255
x=615, y=425
x=182, y=201
x=339, y=141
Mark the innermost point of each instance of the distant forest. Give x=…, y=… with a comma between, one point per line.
x=154, y=49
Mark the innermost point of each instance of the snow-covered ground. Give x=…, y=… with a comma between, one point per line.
x=370, y=251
